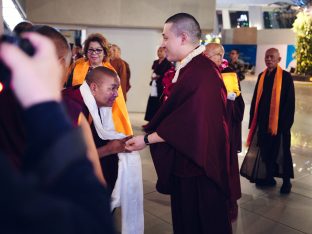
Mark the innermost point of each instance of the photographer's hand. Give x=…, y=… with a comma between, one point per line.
x=34, y=79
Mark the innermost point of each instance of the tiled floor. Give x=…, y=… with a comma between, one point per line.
x=260, y=210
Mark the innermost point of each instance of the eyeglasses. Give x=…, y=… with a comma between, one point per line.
x=97, y=51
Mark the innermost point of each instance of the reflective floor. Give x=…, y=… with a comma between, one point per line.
x=260, y=210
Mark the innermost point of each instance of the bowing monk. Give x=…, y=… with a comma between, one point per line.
x=96, y=99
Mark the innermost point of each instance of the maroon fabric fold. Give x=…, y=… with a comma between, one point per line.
x=193, y=123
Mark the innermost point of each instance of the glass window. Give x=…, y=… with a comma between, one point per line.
x=239, y=19
x=219, y=20
x=279, y=19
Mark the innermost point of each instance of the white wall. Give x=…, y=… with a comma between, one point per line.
x=138, y=48
x=118, y=13
x=276, y=36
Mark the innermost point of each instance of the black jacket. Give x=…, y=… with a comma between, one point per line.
x=57, y=191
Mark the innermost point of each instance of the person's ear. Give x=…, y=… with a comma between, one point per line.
x=93, y=88
x=279, y=59
x=184, y=37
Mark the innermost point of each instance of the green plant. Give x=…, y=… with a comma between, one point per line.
x=303, y=29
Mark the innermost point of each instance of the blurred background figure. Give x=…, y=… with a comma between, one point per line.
x=159, y=67
x=77, y=52
x=120, y=67
x=237, y=64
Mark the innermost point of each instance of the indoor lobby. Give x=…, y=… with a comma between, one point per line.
x=260, y=210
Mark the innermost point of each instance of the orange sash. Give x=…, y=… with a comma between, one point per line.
x=274, y=105
x=120, y=113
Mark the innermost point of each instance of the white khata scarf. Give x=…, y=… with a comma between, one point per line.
x=128, y=190
x=186, y=60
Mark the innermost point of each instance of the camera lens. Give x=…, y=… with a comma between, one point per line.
x=23, y=44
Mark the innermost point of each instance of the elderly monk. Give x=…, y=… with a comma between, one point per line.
x=235, y=111
x=272, y=113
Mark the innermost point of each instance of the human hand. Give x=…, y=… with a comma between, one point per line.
x=155, y=76
x=231, y=96
x=34, y=79
x=118, y=145
x=135, y=143
x=125, y=140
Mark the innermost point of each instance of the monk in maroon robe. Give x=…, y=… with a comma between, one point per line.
x=189, y=135
x=235, y=110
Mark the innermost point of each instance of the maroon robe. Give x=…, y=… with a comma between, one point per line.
x=192, y=165
x=75, y=105
x=128, y=71
x=121, y=69
x=235, y=111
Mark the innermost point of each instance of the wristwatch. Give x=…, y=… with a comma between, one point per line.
x=146, y=139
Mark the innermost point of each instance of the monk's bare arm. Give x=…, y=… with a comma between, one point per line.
x=138, y=143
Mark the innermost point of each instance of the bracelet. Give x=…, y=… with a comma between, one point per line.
x=146, y=140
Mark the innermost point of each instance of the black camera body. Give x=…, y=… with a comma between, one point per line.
x=23, y=44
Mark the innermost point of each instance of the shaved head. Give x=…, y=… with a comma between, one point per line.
x=185, y=23
x=215, y=52
x=96, y=75
x=272, y=58
x=63, y=50
x=62, y=47
x=273, y=50
x=213, y=48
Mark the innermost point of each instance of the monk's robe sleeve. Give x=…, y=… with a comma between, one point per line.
x=193, y=120
x=288, y=107
x=253, y=102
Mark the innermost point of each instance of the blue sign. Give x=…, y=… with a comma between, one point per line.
x=290, y=54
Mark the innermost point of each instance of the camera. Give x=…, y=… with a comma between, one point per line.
x=24, y=44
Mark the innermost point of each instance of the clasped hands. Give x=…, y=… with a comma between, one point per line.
x=126, y=145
